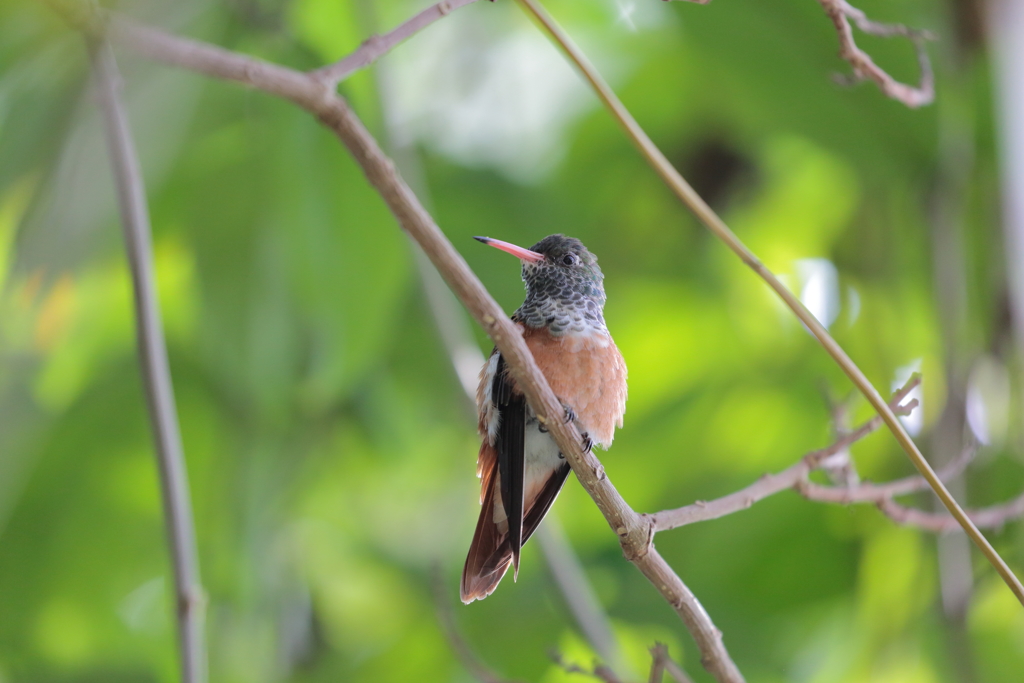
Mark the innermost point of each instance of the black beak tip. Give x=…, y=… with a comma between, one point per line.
x=485, y=240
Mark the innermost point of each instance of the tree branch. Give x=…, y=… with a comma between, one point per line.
x=374, y=47
x=841, y=12
x=992, y=517
x=770, y=484
x=466, y=360
x=155, y=369
x=868, y=492
x=634, y=532
x=682, y=189
x=661, y=662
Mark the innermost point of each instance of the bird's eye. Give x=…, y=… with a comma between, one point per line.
x=569, y=259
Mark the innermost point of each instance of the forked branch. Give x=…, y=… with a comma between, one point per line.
x=841, y=13
x=374, y=47
x=797, y=477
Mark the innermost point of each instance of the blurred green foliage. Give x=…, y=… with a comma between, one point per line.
x=330, y=448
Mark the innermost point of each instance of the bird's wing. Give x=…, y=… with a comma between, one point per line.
x=510, y=446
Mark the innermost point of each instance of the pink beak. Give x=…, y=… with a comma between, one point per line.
x=518, y=252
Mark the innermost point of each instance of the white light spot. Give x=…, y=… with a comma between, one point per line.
x=988, y=401
x=484, y=96
x=143, y=608
x=626, y=11
x=819, y=288
x=852, y=304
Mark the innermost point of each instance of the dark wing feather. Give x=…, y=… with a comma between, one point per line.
x=483, y=569
x=498, y=561
x=510, y=444
x=490, y=553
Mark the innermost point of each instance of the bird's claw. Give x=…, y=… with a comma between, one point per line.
x=588, y=443
x=570, y=414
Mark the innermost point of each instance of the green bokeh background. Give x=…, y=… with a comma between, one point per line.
x=329, y=444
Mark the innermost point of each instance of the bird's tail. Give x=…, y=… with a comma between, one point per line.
x=490, y=553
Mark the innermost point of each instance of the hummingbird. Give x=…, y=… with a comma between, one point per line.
x=520, y=467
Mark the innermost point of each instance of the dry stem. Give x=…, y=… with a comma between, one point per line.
x=841, y=12
x=374, y=47
x=155, y=369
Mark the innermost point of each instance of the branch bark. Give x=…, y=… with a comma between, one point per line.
x=841, y=13
x=155, y=369
x=682, y=189
x=634, y=532
x=374, y=47
x=770, y=484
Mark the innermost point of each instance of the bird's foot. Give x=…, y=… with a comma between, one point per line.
x=570, y=414
x=588, y=443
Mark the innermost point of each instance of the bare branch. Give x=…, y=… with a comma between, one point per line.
x=634, y=531
x=466, y=360
x=600, y=672
x=770, y=484
x=841, y=13
x=661, y=662
x=868, y=492
x=688, y=196
x=374, y=47
x=155, y=369
x=993, y=517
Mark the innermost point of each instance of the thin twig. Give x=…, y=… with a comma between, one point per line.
x=717, y=226
x=868, y=492
x=155, y=369
x=374, y=47
x=993, y=517
x=659, y=653
x=600, y=671
x=661, y=662
x=770, y=484
x=841, y=12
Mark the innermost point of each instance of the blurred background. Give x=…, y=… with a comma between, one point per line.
x=330, y=446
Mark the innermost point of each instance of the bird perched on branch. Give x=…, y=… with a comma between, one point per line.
x=519, y=465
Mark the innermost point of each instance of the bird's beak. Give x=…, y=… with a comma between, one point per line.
x=518, y=252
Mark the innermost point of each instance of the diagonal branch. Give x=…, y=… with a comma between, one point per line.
x=634, y=532
x=841, y=13
x=374, y=47
x=682, y=189
x=466, y=360
x=155, y=370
